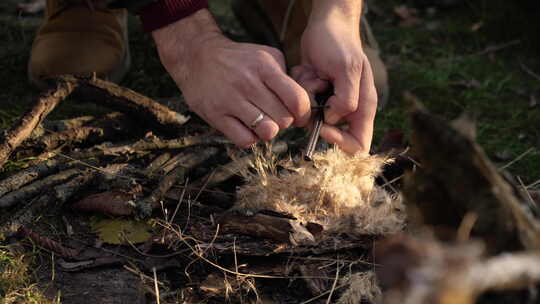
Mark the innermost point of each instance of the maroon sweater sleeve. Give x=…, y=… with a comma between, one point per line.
x=164, y=12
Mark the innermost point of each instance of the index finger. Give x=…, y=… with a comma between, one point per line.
x=345, y=99
x=360, y=132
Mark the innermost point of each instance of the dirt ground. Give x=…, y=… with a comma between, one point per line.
x=477, y=56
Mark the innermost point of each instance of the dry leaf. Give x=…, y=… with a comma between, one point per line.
x=120, y=231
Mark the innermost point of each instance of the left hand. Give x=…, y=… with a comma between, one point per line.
x=332, y=53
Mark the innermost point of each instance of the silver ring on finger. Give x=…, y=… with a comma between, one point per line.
x=257, y=121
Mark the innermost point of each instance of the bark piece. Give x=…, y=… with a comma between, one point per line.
x=114, y=202
x=125, y=100
x=24, y=126
x=259, y=225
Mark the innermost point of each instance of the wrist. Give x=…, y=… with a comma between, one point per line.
x=177, y=42
x=344, y=11
x=160, y=13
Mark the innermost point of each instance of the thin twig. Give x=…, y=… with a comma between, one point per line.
x=499, y=47
x=324, y=293
x=516, y=159
x=530, y=200
x=329, y=299
x=531, y=185
x=529, y=71
x=156, y=285
x=262, y=276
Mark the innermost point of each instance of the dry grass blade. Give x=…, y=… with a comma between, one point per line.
x=156, y=288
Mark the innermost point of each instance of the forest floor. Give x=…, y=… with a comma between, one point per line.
x=479, y=57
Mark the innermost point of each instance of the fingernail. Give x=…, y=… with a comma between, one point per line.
x=331, y=118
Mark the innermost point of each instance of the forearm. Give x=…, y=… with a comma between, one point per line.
x=348, y=10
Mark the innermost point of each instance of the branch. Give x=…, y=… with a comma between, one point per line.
x=24, y=126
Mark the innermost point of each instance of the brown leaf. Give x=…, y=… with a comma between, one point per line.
x=114, y=202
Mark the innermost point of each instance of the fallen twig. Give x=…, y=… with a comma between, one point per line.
x=47, y=243
x=31, y=190
x=109, y=127
x=27, y=175
x=125, y=100
x=24, y=126
x=66, y=124
x=235, y=166
x=149, y=144
x=176, y=176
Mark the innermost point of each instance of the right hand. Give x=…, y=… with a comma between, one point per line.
x=229, y=84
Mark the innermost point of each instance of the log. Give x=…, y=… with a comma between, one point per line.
x=26, y=124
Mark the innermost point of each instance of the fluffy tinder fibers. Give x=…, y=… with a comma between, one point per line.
x=336, y=190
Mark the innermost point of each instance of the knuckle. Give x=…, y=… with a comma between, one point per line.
x=284, y=122
x=298, y=103
x=244, y=82
x=354, y=67
x=346, y=106
x=277, y=54
x=263, y=56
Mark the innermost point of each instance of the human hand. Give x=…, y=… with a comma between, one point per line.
x=229, y=84
x=332, y=52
